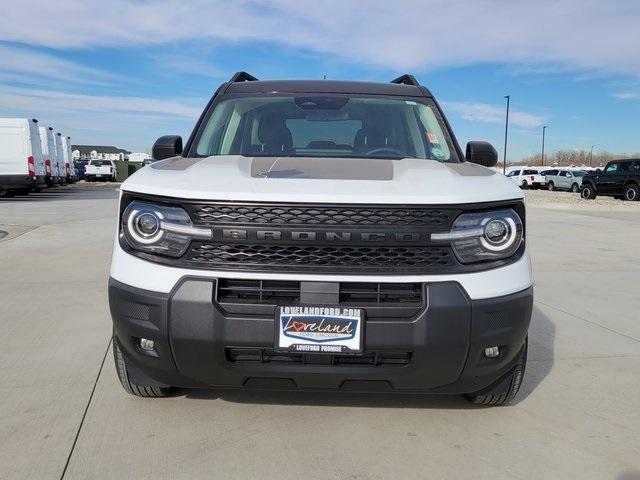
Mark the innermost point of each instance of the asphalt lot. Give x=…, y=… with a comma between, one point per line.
x=577, y=416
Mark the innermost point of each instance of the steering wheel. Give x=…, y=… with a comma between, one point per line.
x=386, y=149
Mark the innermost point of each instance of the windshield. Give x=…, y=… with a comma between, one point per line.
x=100, y=163
x=325, y=126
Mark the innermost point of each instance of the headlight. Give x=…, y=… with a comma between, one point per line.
x=484, y=235
x=159, y=229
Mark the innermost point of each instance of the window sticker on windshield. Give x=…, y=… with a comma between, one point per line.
x=409, y=102
x=432, y=137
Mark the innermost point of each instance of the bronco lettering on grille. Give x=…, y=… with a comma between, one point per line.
x=305, y=236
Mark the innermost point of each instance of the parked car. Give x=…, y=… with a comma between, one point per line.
x=620, y=179
x=527, y=178
x=100, y=171
x=319, y=235
x=564, y=179
x=22, y=167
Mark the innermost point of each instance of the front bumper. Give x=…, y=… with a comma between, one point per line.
x=17, y=182
x=442, y=345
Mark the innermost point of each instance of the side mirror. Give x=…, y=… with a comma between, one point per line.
x=482, y=153
x=166, y=147
x=599, y=171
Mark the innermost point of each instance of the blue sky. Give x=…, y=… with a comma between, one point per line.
x=125, y=72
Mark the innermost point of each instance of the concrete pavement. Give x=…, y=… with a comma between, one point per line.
x=576, y=416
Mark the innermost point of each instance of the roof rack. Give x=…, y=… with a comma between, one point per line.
x=242, y=77
x=406, y=79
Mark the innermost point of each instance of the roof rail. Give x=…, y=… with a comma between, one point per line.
x=242, y=77
x=406, y=79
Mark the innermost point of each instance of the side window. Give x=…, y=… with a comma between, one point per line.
x=564, y=174
x=611, y=169
x=624, y=168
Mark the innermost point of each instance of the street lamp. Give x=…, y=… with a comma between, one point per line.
x=544, y=129
x=591, y=154
x=506, y=131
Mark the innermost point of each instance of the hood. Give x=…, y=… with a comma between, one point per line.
x=322, y=180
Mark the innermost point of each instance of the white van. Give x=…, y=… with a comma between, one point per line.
x=61, y=152
x=59, y=159
x=66, y=142
x=48, y=154
x=21, y=163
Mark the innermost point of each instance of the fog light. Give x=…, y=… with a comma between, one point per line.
x=490, y=352
x=146, y=344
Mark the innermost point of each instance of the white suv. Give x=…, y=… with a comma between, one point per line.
x=317, y=235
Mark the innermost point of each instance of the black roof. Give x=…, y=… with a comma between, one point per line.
x=87, y=149
x=326, y=86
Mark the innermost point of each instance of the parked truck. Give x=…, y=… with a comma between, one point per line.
x=100, y=171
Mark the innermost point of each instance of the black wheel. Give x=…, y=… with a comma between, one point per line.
x=125, y=380
x=505, y=389
x=575, y=188
x=588, y=192
x=631, y=192
x=551, y=187
x=525, y=185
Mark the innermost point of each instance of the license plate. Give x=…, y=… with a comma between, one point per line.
x=319, y=329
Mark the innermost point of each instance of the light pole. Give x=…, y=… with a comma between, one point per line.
x=591, y=154
x=506, y=131
x=544, y=129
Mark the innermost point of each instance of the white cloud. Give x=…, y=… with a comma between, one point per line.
x=28, y=66
x=37, y=100
x=580, y=34
x=171, y=63
x=484, y=112
x=626, y=95
x=134, y=121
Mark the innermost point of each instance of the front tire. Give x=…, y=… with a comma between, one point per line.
x=551, y=187
x=631, y=193
x=524, y=186
x=588, y=192
x=575, y=188
x=506, y=388
x=129, y=386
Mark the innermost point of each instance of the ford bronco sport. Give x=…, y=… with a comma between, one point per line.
x=321, y=235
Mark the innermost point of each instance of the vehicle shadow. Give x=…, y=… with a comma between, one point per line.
x=333, y=399
x=541, y=340
x=542, y=332
x=629, y=475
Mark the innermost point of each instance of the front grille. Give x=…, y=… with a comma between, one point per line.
x=313, y=257
x=316, y=238
x=270, y=356
x=277, y=292
x=321, y=215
